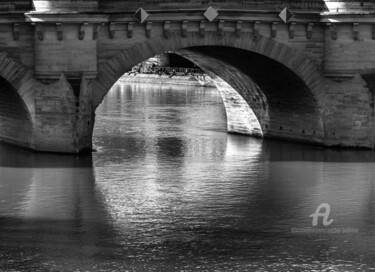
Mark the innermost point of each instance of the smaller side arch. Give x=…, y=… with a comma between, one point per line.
x=16, y=103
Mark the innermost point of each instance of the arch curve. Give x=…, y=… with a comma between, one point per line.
x=288, y=102
x=16, y=102
x=11, y=70
x=301, y=64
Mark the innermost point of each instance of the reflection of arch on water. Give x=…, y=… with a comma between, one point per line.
x=279, y=87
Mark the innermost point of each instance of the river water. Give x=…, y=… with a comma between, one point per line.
x=169, y=190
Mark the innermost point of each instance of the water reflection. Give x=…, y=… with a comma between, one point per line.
x=169, y=190
x=219, y=194
x=50, y=210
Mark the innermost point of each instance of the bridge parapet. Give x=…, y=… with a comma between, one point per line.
x=65, y=5
x=15, y=5
x=276, y=5
x=322, y=6
x=350, y=6
x=103, y=5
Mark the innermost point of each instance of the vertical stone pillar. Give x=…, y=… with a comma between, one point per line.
x=63, y=117
x=86, y=116
x=349, y=112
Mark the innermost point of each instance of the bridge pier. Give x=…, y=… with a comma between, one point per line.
x=349, y=112
x=63, y=116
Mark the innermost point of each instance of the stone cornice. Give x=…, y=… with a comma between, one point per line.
x=368, y=17
x=37, y=17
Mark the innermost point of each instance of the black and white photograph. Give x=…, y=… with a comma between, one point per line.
x=187, y=135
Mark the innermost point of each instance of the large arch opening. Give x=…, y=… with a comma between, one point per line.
x=15, y=121
x=280, y=85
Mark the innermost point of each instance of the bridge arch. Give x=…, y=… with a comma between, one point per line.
x=16, y=103
x=282, y=85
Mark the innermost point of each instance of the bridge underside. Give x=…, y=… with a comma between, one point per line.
x=15, y=121
x=282, y=104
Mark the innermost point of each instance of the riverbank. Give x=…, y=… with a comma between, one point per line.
x=191, y=80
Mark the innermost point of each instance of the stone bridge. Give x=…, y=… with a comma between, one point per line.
x=287, y=69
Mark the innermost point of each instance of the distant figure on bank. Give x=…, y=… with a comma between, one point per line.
x=173, y=73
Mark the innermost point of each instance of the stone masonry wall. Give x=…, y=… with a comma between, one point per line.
x=349, y=119
x=349, y=106
x=59, y=125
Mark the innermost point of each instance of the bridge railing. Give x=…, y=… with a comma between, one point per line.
x=15, y=5
x=311, y=5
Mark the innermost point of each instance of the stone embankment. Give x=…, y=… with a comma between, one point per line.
x=199, y=81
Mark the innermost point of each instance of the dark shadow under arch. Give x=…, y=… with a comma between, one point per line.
x=283, y=104
x=15, y=121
